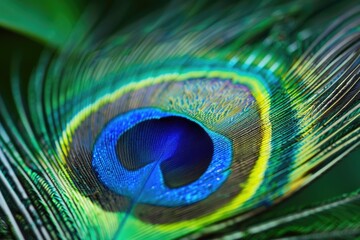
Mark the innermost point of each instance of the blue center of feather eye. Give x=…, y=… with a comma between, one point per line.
x=161, y=158
x=183, y=149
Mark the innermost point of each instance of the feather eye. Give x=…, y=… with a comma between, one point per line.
x=185, y=128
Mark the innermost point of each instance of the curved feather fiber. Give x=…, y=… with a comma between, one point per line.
x=188, y=123
x=336, y=218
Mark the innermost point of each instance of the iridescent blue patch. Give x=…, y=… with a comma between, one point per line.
x=154, y=152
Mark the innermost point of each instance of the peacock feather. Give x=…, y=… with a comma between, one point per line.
x=182, y=120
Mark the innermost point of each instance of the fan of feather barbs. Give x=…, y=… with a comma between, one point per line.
x=186, y=120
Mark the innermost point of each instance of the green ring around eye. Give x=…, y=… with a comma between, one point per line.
x=256, y=86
